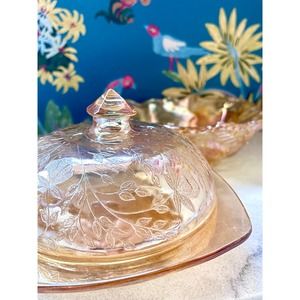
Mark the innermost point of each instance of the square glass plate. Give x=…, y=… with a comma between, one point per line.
x=227, y=227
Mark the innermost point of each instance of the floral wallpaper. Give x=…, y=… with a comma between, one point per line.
x=58, y=29
x=143, y=49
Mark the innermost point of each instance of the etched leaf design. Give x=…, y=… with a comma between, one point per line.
x=158, y=235
x=128, y=185
x=53, y=218
x=72, y=232
x=126, y=196
x=187, y=202
x=143, y=221
x=160, y=199
x=43, y=160
x=59, y=170
x=159, y=224
x=78, y=198
x=60, y=235
x=176, y=202
x=155, y=180
x=143, y=192
x=98, y=157
x=88, y=241
x=119, y=232
x=44, y=215
x=106, y=179
x=162, y=209
x=143, y=232
x=50, y=274
x=110, y=240
x=72, y=189
x=55, y=192
x=174, y=223
x=51, y=244
x=170, y=179
x=171, y=234
x=97, y=229
x=69, y=222
x=186, y=185
x=43, y=184
x=48, y=217
x=107, y=153
x=128, y=245
x=106, y=222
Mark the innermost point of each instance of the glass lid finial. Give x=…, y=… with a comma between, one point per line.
x=111, y=114
x=110, y=104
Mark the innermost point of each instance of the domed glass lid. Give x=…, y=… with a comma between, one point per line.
x=117, y=186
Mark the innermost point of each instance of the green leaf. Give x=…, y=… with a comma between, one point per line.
x=41, y=129
x=66, y=117
x=54, y=62
x=52, y=116
x=172, y=75
x=56, y=118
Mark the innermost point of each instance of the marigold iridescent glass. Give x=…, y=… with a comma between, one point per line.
x=117, y=197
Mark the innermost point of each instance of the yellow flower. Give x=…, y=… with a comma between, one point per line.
x=45, y=75
x=70, y=53
x=191, y=79
x=231, y=50
x=72, y=25
x=193, y=82
x=67, y=78
x=47, y=7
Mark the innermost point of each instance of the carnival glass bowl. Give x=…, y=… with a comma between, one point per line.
x=219, y=124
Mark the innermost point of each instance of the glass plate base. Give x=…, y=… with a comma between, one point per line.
x=227, y=227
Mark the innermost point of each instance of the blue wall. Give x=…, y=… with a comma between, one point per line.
x=108, y=51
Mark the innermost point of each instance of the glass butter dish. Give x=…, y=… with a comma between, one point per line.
x=119, y=200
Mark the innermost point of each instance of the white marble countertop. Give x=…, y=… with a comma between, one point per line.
x=234, y=275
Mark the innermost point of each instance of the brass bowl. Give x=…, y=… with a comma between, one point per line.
x=217, y=122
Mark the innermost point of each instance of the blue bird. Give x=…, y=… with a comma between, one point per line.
x=166, y=45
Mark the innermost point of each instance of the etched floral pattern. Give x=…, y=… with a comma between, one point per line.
x=116, y=198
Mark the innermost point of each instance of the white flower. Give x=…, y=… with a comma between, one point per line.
x=45, y=32
x=57, y=43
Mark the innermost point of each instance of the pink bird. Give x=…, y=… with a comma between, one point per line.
x=167, y=46
x=126, y=82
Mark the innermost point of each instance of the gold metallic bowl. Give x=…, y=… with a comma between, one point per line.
x=217, y=122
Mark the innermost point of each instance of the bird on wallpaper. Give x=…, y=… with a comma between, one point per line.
x=126, y=82
x=120, y=12
x=166, y=45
